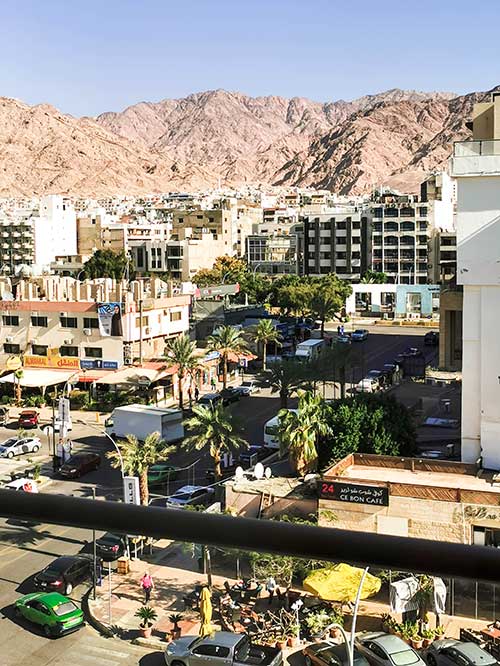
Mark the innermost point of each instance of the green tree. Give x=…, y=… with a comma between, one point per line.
x=106, y=263
x=181, y=351
x=254, y=288
x=285, y=378
x=225, y=269
x=328, y=296
x=226, y=340
x=215, y=430
x=374, y=277
x=299, y=431
x=266, y=332
x=138, y=457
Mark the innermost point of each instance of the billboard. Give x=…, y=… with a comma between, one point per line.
x=110, y=319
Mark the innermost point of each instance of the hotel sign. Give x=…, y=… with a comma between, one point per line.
x=354, y=493
x=52, y=361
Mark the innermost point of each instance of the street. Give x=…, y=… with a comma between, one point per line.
x=24, y=550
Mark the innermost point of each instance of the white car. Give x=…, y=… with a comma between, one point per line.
x=15, y=446
x=190, y=496
x=47, y=428
x=367, y=385
x=248, y=387
x=359, y=334
x=23, y=484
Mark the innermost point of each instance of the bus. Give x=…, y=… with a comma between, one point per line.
x=271, y=439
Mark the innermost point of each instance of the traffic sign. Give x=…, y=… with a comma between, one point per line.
x=131, y=493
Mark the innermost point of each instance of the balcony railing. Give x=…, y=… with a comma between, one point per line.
x=476, y=148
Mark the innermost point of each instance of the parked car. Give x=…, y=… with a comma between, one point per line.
x=254, y=454
x=110, y=547
x=412, y=352
x=330, y=654
x=382, y=649
x=431, y=338
x=223, y=647
x=344, y=339
x=23, y=484
x=4, y=415
x=47, y=427
x=367, y=385
x=374, y=374
x=79, y=464
x=161, y=473
x=55, y=614
x=359, y=335
x=248, y=387
x=28, y=418
x=230, y=394
x=190, y=496
x=450, y=652
x=210, y=400
x=64, y=573
x=15, y=446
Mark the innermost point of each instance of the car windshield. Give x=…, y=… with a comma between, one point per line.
x=181, y=496
x=65, y=608
x=404, y=658
x=246, y=383
x=109, y=539
x=8, y=442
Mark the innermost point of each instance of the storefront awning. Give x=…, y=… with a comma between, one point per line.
x=136, y=376
x=36, y=377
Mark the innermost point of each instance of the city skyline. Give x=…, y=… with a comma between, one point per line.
x=107, y=57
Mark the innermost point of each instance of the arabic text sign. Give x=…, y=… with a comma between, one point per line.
x=355, y=493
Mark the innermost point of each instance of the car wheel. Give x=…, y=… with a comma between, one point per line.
x=10, y=454
x=431, y=659
x=68, y=589
x=35, y=448
x=47, y=631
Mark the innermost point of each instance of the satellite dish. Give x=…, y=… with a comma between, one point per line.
x=258, y=470
x=239, y=473
x=268, y=473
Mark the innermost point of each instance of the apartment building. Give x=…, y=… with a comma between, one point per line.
x=35, y=236
x=96, y=231
x=60, y=323
x=335, y=242
x=273, y=253
x=476, y=167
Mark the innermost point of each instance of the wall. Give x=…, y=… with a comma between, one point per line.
x=426, y=291
x=376, y=291
x=450, y=329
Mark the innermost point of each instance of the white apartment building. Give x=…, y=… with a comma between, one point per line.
x=476, y=166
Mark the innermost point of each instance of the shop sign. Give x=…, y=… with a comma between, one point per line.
x=52, y=361
x=354, y=493
x=98, y=364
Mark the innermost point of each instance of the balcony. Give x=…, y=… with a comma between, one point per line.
x=475, y=158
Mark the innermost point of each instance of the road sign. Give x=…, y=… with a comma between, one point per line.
x=131, y=492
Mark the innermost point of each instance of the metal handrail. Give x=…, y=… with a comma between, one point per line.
x=476, y=148
x=362, y=548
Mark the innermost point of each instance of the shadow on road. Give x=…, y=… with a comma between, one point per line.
x=152, y=659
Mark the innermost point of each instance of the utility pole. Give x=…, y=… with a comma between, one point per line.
x=94, y=554
x=140, y=332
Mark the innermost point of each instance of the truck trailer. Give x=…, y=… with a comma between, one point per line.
x=142, y=420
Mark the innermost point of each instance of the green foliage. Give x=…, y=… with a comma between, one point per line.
x=226, y=340
x=374, y=277
x=226, y=268
x=213, y=429
x=286, y=377
x=147, y=615
x=367, y=423
x=106, y=263
x=181, y=351
x=265, y=332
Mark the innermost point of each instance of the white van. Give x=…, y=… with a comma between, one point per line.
x=271, y=439
x=309, y=350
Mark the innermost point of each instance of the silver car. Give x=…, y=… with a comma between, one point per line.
x=382, y=649
x=15, y=446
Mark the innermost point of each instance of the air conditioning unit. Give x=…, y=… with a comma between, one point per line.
x=9, y=338
x=34, y=313
x=147, y=331
x=87, y=331
x=68, y=341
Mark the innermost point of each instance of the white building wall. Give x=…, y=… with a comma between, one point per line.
x=54, y=230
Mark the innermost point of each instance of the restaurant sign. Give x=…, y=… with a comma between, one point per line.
x=354, y=492
x=52, y=361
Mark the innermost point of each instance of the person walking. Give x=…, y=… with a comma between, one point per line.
x=213, y=384
x=190, y=396
x=271, y=588
x=196, y=393
x=147, y=585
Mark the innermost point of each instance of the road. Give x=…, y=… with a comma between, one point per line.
x=25, y=550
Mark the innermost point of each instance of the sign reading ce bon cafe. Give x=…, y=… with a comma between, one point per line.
x=354, y=493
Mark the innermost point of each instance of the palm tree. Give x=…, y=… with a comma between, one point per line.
x=299, y=431
x=138, y=457
x=215, y=430
x=285, y=377
x=226, y=340
x=325, y=303
x=181, y=351
x=265, y=332
x=335, y=363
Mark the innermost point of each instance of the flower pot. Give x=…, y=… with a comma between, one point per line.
x=146, y=631
x=426, y=642
x=281, y=645
x=417, y=643
x=293, y=641
x=334, y=632
x=168, y=637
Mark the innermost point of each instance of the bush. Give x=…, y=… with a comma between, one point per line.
x=6, y=400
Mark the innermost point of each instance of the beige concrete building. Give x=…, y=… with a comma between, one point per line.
x=428, y=499
x=94, y=232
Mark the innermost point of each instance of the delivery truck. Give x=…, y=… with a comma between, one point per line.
x=309, y=350
x=142, y=420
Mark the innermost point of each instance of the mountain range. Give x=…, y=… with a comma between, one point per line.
x=393, y=138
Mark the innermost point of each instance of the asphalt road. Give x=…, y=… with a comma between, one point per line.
x=25, y=550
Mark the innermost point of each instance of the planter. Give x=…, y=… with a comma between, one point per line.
x=168, y=637
x=175, y=633
x=146, y=631
x=293, y=641
x=426, y=642
x=417, y=643
x=281, y=645
x=334, y=633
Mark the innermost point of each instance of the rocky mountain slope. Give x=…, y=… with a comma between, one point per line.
x=394, y=137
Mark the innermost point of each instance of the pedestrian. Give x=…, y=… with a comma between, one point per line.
x=213, y=383
x=147, y=585
x=342, y=330
x=190, y=396
x=271, y=588
x=196, y=393
x=338, y=329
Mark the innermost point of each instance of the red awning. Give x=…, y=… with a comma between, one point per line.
x=92, y=376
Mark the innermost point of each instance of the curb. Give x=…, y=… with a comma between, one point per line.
x=99, y=626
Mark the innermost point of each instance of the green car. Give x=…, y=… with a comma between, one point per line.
x=55, y=613
x=161, y=473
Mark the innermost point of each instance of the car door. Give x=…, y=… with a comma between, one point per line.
x=209, y=654
x=82, y=571
x=38, y=612
x=449, y=657
x=375, y=654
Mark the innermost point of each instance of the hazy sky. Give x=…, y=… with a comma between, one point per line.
x=88, y=57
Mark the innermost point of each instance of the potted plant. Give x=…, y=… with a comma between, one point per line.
x=147, y=615
x=428, y=636
x=293, y=635
x=317, y=624
x=386, y=620
x=281, y=642
x=176, y=630
x=439, y=631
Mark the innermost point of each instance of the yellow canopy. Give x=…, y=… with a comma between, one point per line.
x=340, y=583
x=206, y=628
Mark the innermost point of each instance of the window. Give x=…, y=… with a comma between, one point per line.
x=68, y=322
x=176, y=316
x=93, y=352
x=140, y=257
x=356, y=224
x=90, y=322
x=340, y=255
x=39, y=321
x=68, y=351
x=11, y=348
x=39, y=350
x=342, y=224
x=422, y=211
x=10, y=320
x=356, y=255
x=377, y=651
x=219, y=651
x=145, y=321
x=356, y=240
x=341, y=240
